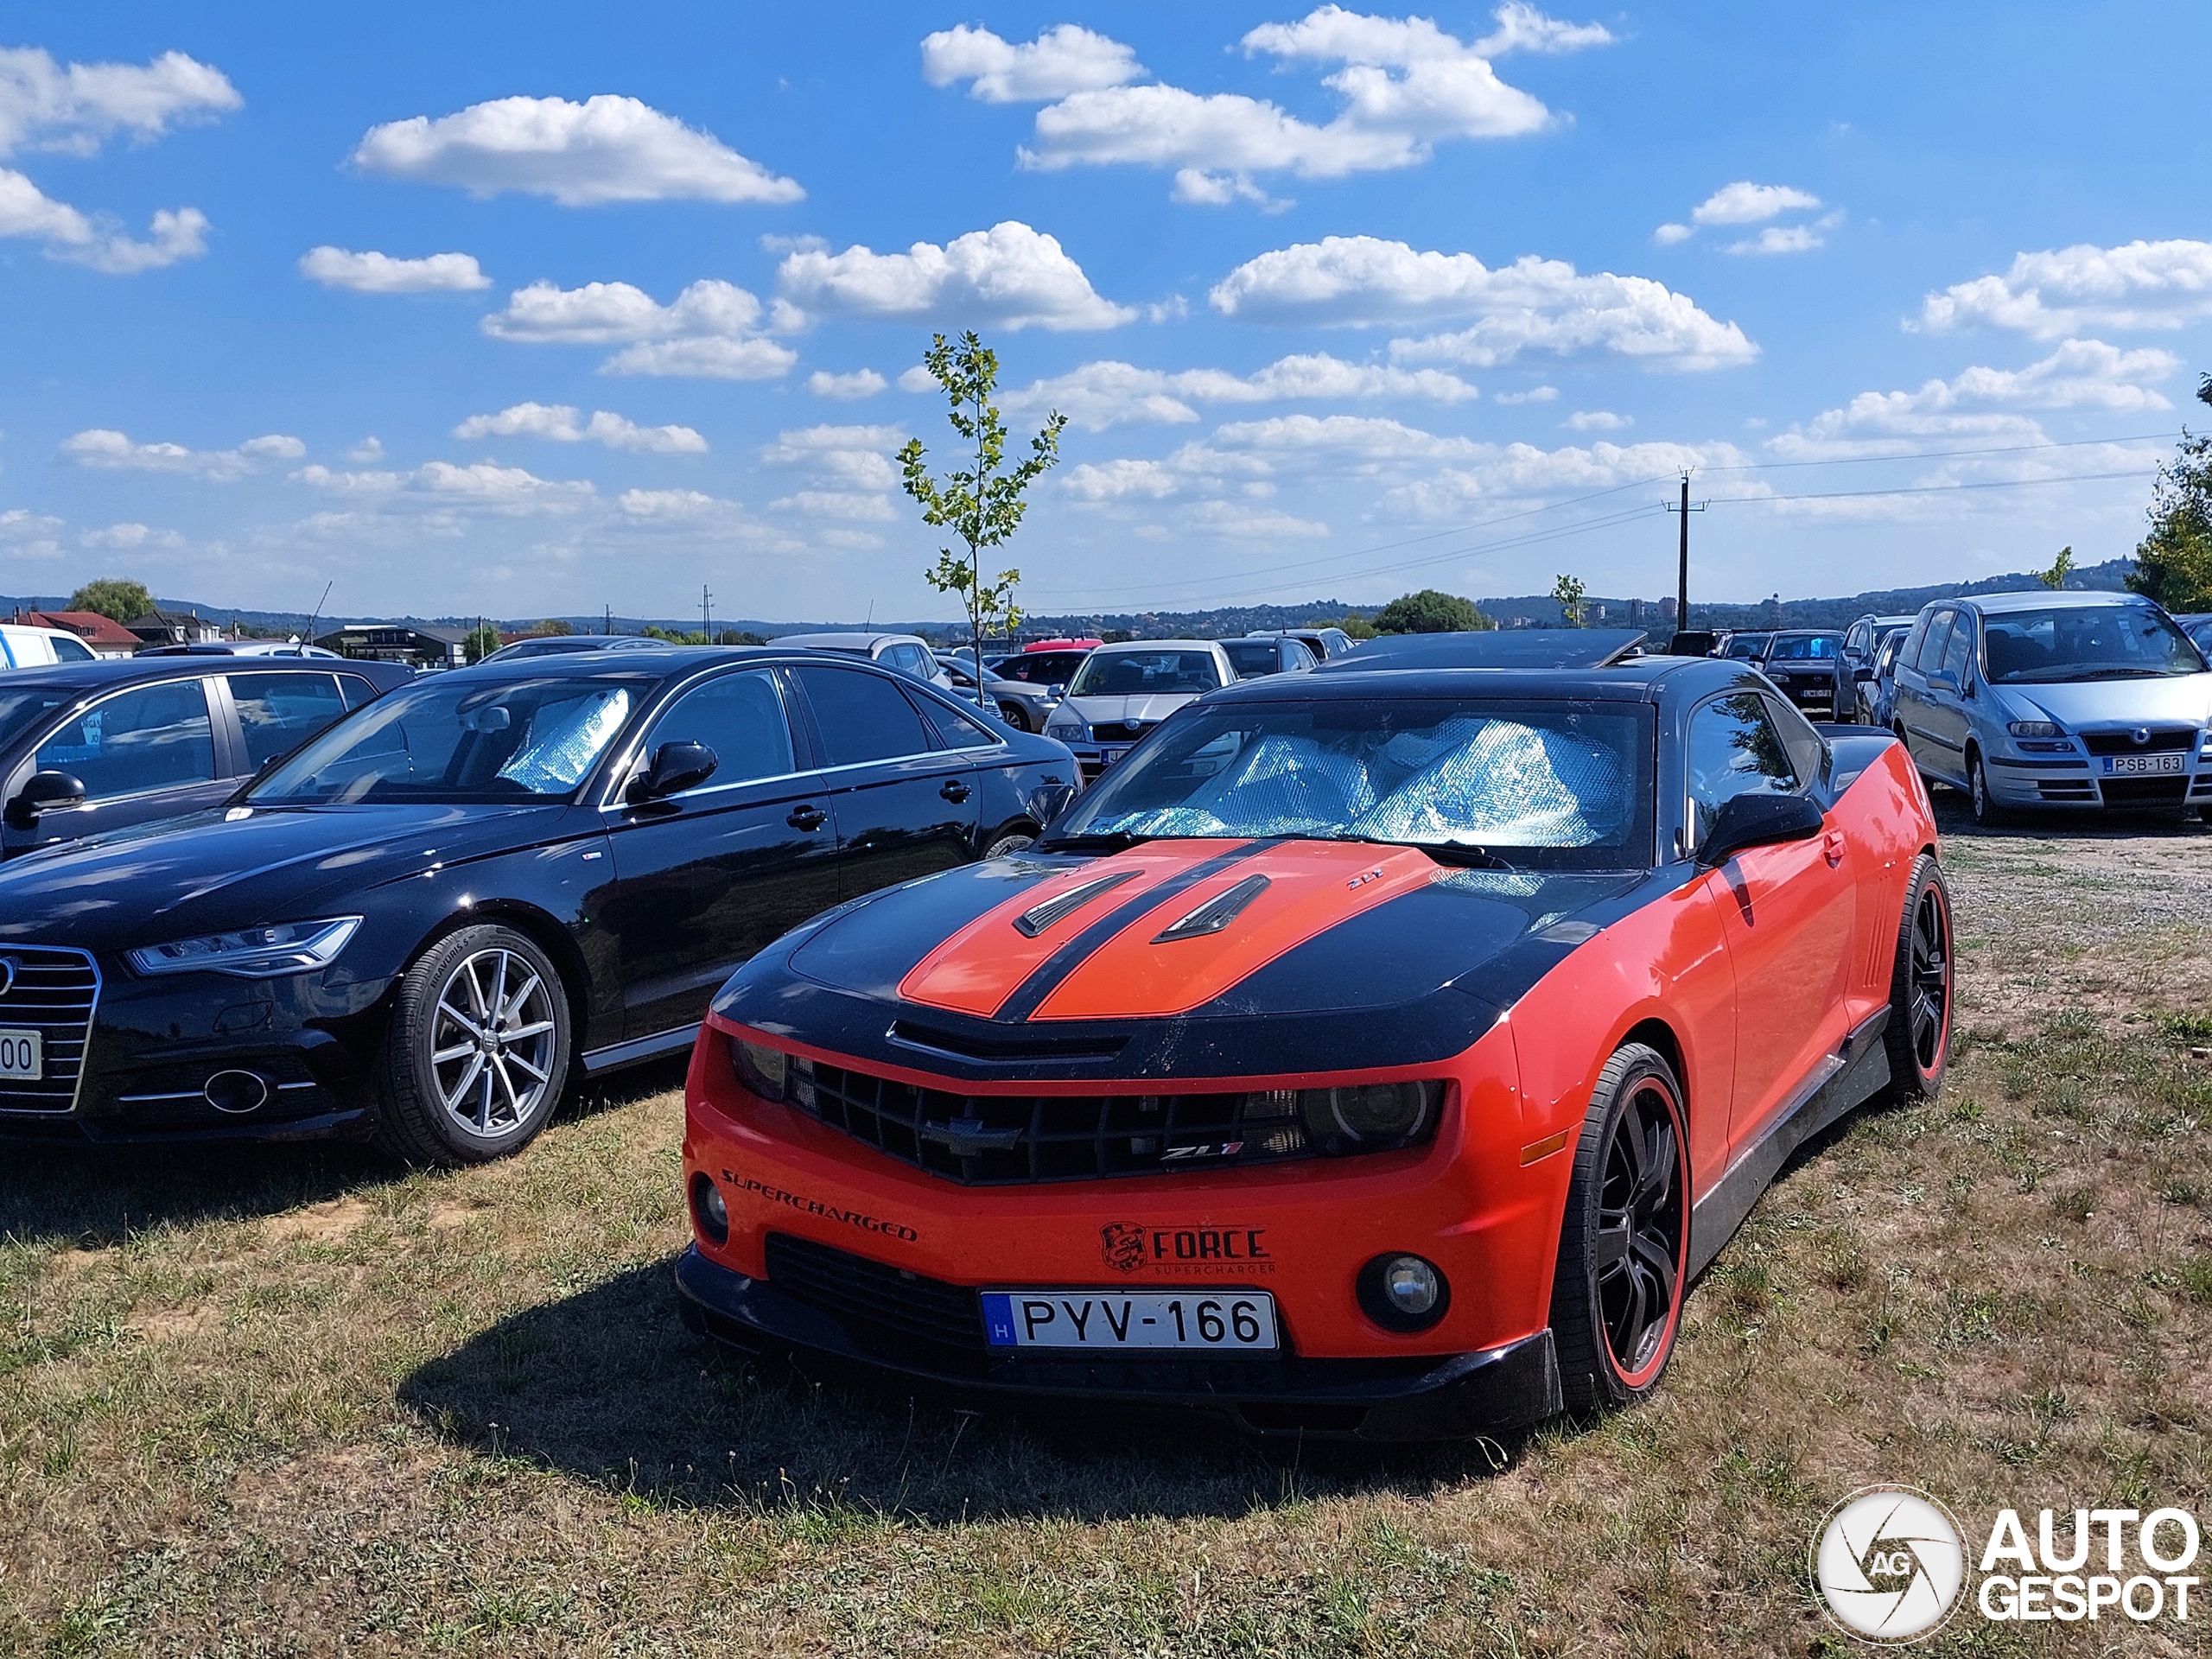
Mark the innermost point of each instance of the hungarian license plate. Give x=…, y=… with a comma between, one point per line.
x=1242, y=1320
x=2142, y=765
x=1108, y=757
x=21, y=1057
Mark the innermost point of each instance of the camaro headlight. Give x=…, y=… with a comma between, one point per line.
x=252, y=952
x=1367, y=1116
x=771, y=1074
x=2034, y=728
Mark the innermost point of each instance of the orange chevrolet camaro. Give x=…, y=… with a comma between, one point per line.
x=1377, y=1054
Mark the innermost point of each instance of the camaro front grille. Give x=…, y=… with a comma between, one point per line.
x=52, y=990
x=852, y=1287
x=987, y=1140
x=2163, y=741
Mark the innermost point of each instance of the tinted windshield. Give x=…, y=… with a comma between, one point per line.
x=1812, y=647
x=1743, y=647
x=1253, y=656
x=459, y=739
x=1145, y=673
x=1560, y=786
x=21, y=710
x=2101, y=642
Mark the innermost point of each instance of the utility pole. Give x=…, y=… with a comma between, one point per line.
x=706, y=612
x=610, y=619
x=1683, y=571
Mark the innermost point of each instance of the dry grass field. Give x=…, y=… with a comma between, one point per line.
x=298, y=1400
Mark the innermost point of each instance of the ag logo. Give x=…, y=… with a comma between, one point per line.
x=1889, y=1562
x=1123, y=1245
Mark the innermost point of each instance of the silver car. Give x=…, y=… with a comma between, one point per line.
x=1122, y=691
x=906, y=653
x=2057, y=699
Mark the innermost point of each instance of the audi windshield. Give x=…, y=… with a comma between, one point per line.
x=1537, y=785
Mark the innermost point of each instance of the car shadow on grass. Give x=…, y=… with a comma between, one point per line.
x=98, y=1195
x=609, y=1387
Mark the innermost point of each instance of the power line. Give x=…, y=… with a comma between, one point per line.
x=1925, y=489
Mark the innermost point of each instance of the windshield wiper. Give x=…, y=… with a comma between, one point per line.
x=1110, y=841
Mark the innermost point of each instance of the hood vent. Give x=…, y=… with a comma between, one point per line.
x=1031, y=922
x=1216, y=913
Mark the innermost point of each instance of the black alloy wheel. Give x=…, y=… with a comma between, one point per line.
x=1617, y=1296
x=478, y=1051
x=1918, y=1033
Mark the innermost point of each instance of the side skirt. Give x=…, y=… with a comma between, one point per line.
x=1848, y=1077
x=640, y=1048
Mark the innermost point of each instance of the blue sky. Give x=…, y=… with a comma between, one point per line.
x=531, y=309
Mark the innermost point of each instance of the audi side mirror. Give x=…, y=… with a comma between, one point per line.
x=676, y=767
x=1747, y=820
x=44, y=792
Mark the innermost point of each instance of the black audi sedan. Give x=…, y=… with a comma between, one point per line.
x=417, y=923
x=87, y=747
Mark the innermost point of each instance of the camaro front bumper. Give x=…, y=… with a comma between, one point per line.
x=1416, y=1397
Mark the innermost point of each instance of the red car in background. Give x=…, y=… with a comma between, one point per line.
x=1376, y=1055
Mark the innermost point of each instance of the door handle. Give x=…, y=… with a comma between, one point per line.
x=1832, y=845
x=807, y=818
x=954, y=791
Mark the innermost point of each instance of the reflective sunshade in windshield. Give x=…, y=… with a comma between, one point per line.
x=461, y=740
x=1555, y=785
x=2092, y=642
x=1145, y=673
x=1809, y=647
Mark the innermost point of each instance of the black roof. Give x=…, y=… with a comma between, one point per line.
x=1494, y=648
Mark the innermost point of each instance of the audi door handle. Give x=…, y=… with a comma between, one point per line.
x=954, y=791
x=806, y=818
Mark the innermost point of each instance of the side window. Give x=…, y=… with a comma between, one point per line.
x=1734, y=749
x=357, y=689
x=156, y=737
x=1931, y=656
x=279, y=712
x=740, y=717
x=955, y=729
x=1802, y=743
x=861, y=716
x=1958, y=651
x=70, y=650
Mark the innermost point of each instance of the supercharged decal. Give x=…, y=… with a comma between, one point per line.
x=807, y=1206
x=1135, y=1247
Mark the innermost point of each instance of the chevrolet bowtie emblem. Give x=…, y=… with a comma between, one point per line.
x=970, y=1137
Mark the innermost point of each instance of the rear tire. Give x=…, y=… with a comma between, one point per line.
x=1918, y=1035
x=1007, y=846
x=1624, y=1250
x=478, y=1051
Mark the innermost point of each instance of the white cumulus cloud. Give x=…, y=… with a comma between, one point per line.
x=1010, y=275
x=97, y=239
x=853, y=506
x=861, y=383
x=1597, y=420
x=112, y=451
x=442, y=485
x=561, y=423
x=72, y=108
x=605, y=148
x=854, y=456
x=1532, y=304
x=1064, y=59
x=1100, y=394
x=379, y=273
x=1745, y=203
x=2140, y=285
x=709, y=331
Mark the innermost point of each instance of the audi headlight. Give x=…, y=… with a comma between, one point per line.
x=2034, y=728
x=252, y=952
x=771, y=1074
x=1369, y=1116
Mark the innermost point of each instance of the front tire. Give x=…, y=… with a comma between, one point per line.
x=1617, y=1297
x=1007, y=846
x=478, y=1052
x=1918, y=1034
x=1987, y=814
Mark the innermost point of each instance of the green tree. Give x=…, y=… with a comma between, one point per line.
x=2173, y=563
x=1430, y=612
x=677, y=636
x=483, y=639
x=1568, y=591
x=983, y=504
x=1357, y=627
x=551, y=625
x=113, y=598
x=739, y=637
x=2061, y=568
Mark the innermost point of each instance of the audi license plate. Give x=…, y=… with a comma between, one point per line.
x=1242, y=1320
x=20, y=1055
x=2142, y=765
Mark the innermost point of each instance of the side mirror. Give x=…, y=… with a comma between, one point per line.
x=676, y=767
x=1058, y=689
x=1942, y=679
x=1759, y=821
x=1864, y=671
x=44, y=792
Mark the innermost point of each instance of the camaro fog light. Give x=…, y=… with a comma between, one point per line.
x=1366, y=1117
x=2034, y=728
x=1403, y=1293
x=709, y=1209
x=252, y=952
x=771, y=1074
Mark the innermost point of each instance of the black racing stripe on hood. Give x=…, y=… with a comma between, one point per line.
x=1503, y=980
x=1049, y=975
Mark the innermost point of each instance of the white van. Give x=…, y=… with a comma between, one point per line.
x=22, y=648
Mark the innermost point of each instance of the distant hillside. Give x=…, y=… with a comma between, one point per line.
x=1537, y=611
